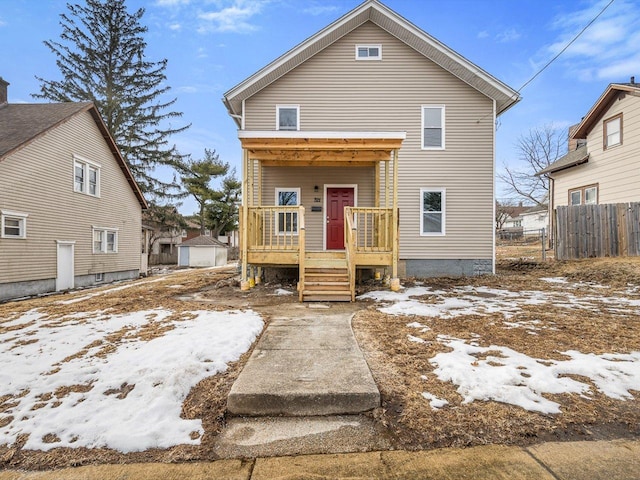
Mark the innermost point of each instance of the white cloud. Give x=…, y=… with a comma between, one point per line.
x=2, y=23
x=483, y=34
x=236, y=17
x=175, y=26
x=318, y=9
x=171, y=3
x=508, y=35
x=607, y=50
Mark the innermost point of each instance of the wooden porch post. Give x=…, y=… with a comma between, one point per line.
x=244, y=283
x=376, y=186
x=395, y=281
x=259, y=269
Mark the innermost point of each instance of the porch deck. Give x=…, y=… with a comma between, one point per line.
x=276, y=238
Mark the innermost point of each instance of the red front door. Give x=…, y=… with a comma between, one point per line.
x=337, y=199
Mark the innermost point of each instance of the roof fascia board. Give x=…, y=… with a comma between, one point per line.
x=421, y=34
x=297, y=49
x=596, y=111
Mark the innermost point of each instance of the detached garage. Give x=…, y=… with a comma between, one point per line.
x=202, y=251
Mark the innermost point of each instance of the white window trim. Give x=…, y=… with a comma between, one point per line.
x=103, y=247
x=277, y=219
x=297, y=107
x=442, y=232
x=368, y=46
x=86, y=164
x=442, y=123
x=22, y=219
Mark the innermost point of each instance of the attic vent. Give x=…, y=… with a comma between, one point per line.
x=368, y=52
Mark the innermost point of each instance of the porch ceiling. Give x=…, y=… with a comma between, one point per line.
x=321, y=148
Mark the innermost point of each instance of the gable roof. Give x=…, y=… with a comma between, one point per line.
x=385, y=18
x=22, y=123
x=601, y=106
x=571, y=159
x=202, y=241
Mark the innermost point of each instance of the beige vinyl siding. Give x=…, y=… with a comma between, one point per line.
x=616, y=170
x=338, y=93
x=306, y=178
x=38, y=180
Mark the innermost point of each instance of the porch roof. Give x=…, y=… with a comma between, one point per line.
x=314, y=148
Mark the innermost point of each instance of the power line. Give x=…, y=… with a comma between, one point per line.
x=565, y=47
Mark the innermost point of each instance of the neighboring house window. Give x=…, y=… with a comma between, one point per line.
x=432, y=211
x=288, y=117
x=584, y=195
x=105, y=240
x=613, y=131
x=368, y=52
x=86, y=177
x=517, y=223
x=433, y=127
x=13, y=224
x=287, y=221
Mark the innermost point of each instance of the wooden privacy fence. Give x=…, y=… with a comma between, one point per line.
x=608, y=230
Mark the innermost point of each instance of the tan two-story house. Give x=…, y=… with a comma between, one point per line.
x=603, y=162
x=70, y=210
x=369, y=145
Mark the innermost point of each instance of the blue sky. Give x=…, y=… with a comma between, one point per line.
x=211, y=45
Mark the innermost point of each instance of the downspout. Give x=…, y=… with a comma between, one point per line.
x=493, y=217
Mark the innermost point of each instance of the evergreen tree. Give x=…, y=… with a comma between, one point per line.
x=101, y=56
x=197, y=177
x=222, y=212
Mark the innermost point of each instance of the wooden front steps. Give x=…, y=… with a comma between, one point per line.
x=326, y=278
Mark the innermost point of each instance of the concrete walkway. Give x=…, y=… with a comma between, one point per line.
x=616, y=460
x=306, y=364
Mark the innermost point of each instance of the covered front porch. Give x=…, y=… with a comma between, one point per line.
x=325, y=202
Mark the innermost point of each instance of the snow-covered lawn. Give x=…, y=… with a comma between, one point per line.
x=95, y=379
x=501, y=373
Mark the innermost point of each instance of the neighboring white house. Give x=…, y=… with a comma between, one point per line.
x=535, y=219
x=70, y=210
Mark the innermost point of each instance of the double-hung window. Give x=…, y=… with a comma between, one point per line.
x=287, y=222
x=86, y=177
x=433, y=127
x=105, y=240
x=13, y=224
x=613, y=131
x=432, y=211
x=288, y=117
x=368, y=52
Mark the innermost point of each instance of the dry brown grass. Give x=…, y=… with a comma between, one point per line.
x=398, y=364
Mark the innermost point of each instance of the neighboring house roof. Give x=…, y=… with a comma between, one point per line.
x=571, y=159
x=396, y=25
x=22, y=123
x=203, y=241
x=602, y=105
x=536, y=209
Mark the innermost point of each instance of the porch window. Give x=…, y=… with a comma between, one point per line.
x=368, y=52
x=287, y=221
x=432, y=211
x=14, y=225
x=613, y=131
x=288, y=117
x=433, y=127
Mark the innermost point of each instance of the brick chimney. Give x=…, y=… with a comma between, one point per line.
x=3, y=91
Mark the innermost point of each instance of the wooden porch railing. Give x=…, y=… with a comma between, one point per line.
x=350, y=234
x=275, y=228
x=374, y=227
